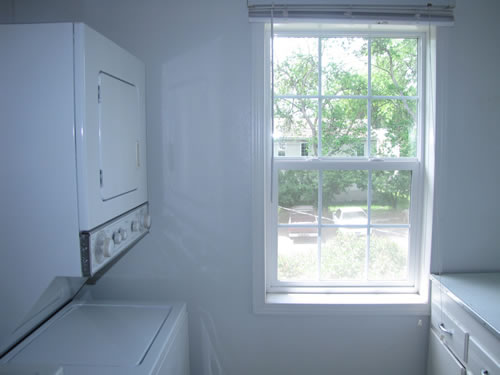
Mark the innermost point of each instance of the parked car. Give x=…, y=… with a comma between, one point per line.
x=351, y=216
x=303, y=215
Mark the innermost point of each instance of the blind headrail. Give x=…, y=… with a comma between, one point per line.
x=410, y=14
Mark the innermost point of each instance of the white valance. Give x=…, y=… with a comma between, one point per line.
x=377, y=11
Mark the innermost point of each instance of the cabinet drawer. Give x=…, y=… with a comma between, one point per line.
x=450, y=331
x=441, y=360
x=481, y=362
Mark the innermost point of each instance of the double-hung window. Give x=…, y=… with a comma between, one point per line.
x=347, y=162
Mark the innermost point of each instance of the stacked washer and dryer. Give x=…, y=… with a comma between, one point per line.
x=74, y=200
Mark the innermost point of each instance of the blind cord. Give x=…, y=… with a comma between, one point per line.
x=432, y=114
x=272, y=102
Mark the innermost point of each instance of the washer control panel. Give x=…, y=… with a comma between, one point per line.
x=101, y=245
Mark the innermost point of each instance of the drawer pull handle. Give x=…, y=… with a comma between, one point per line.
x=484, y=372
x=447, y=331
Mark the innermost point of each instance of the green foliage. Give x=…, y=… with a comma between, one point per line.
x=344, y=121
x=392, y=188
x=336, y=182
x=344, y=127
x=298, y=118
x=297, y=75
x=295, y=266
x=343, y=257
x=395, y=74
x=388, y=261
x=298, y=187
x=339, y=80
x=395, y=67
x=397, y=119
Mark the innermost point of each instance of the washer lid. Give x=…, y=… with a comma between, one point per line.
x=106, y=335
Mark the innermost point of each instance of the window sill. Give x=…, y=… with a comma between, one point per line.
x=352, y=304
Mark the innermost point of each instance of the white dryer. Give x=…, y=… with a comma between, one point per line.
x=106, y=337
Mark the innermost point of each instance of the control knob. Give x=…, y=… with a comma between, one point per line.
x=146, y=221
x=134, y=227
x=99, y=255
x=117, y=237
x=123, y=234
x=108, y=247
x=104, y=248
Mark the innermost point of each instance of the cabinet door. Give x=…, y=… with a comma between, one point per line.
x=441, y=361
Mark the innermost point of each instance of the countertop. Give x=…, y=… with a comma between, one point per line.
x=478, y=293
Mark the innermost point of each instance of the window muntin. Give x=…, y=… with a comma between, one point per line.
x=361, y=108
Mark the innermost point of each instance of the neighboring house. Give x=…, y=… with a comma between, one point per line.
x=292, y=147
x=299, y=146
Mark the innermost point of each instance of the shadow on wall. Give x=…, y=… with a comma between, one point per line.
x=201, y=213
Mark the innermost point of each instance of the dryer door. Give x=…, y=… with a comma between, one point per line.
x=118, y=136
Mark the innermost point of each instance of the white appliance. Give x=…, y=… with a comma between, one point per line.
x=107, y=338
x=73, y=191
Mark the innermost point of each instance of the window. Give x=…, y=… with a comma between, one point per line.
x=304, y=150
x=344, y=213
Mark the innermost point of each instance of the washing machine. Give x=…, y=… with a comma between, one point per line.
x=106, y=337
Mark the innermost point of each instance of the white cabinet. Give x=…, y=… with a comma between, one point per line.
x=480, y=362
x=441, y=360
x=465, y=335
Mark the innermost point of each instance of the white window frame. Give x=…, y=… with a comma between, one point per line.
x=271, y=295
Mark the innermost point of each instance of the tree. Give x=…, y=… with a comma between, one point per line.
x=344, y=121
x=298, y=187
x=392, y=187
x=297, y=117
x=395, y=74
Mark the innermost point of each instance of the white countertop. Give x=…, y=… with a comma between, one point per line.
x=479, y=293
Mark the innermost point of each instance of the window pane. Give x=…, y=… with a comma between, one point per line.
x=394, y=128
x=295, y=66
x=343, y=255
x=344, y=66
x=394, y=67
x=345, y=198
x=344, y=127
x=295, y=123
x=297, y=256
x=390, y=197
x=388, y=254
x=298, y=197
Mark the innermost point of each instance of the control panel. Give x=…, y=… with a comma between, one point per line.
x=101, y=245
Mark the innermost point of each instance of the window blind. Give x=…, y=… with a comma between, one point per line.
x=439, y=12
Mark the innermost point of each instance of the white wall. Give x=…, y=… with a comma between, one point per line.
x=467, y=214
x=197, y=54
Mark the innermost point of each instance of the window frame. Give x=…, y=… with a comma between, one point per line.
x=268, y=291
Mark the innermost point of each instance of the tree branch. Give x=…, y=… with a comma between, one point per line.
x=394, y=81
